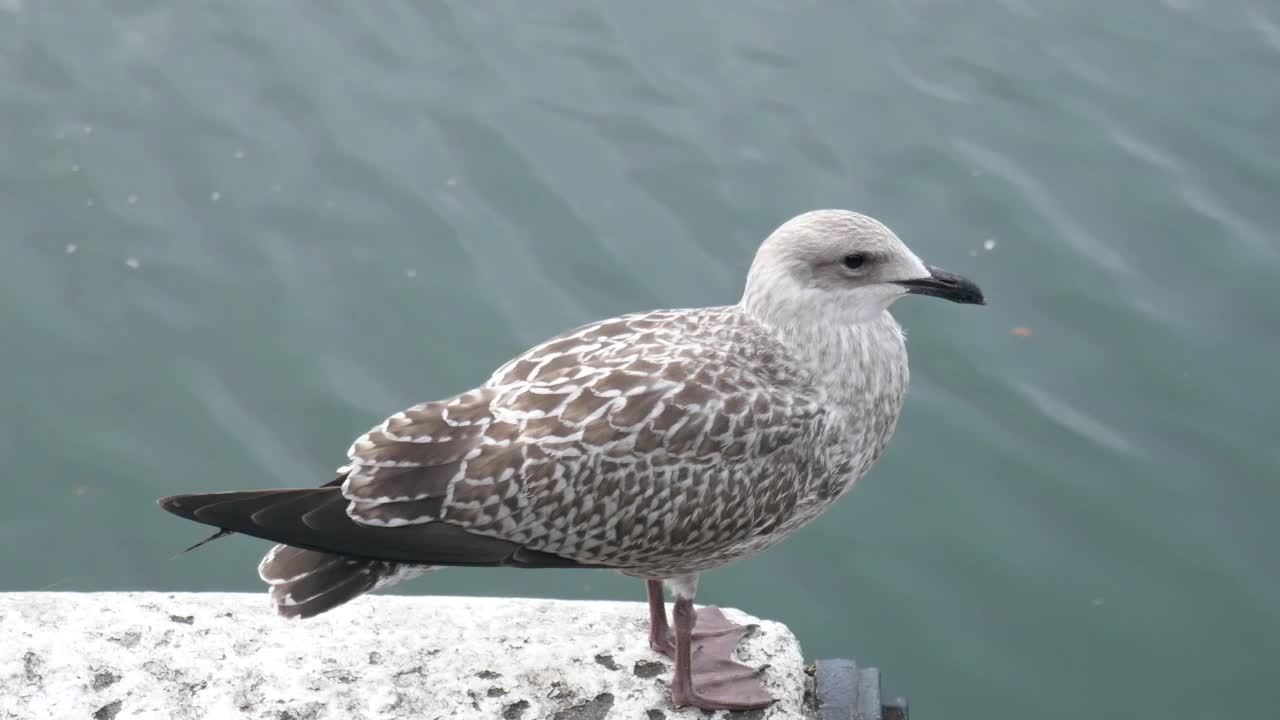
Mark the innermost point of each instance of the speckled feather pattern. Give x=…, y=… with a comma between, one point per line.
x=659, y=443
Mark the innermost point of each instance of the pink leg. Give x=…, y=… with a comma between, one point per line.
x=707, y=677
x=710, y=622
x=659, y=631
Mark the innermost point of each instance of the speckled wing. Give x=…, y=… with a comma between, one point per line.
x=646, y=442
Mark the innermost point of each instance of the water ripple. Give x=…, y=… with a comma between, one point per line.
x=1066, y=224
x=1075, y=420
x=260, y=440
x=1267, y=28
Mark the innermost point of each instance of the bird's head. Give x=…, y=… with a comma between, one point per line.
x=849, y=265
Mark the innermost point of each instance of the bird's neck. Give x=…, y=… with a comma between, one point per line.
x=858, y=365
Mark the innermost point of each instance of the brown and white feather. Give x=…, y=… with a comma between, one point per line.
x=659, y=443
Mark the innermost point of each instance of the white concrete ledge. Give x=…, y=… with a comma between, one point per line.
x=118, y=656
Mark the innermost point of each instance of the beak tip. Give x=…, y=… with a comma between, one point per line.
x=948, y=286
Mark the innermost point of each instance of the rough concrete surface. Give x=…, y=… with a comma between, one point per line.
x=115, y=656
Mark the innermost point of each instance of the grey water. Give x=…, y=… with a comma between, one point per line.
x=235, y=235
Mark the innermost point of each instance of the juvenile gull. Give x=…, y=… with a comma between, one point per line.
x=658, y=444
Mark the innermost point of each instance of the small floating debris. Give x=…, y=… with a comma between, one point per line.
x=82, y=490
x=989, y=244
x=238, y=154
x=410, y=273
x=132, y=263
x=1020, y=331
x=71, y=248
x=88, y=129
x=215, y=196
x=75, y=167
x=133, y=199
x=89, y=202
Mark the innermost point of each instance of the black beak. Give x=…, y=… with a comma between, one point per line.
x=946, y=285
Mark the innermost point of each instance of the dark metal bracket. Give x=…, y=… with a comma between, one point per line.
x=848, y=692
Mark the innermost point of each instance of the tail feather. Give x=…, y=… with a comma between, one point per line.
x=285, y=564
x=305, y=583
x=350, y=587
x=325, y=558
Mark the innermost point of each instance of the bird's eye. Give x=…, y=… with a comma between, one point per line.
x=854, y=261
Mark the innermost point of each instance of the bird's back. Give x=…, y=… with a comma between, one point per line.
x=629, y=442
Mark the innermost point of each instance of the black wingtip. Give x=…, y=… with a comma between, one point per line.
x=186, y=506
x=176, y=504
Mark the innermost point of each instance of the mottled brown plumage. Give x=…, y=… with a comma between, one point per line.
x=659, y=444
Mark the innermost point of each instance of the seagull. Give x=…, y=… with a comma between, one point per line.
x=657, y=444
